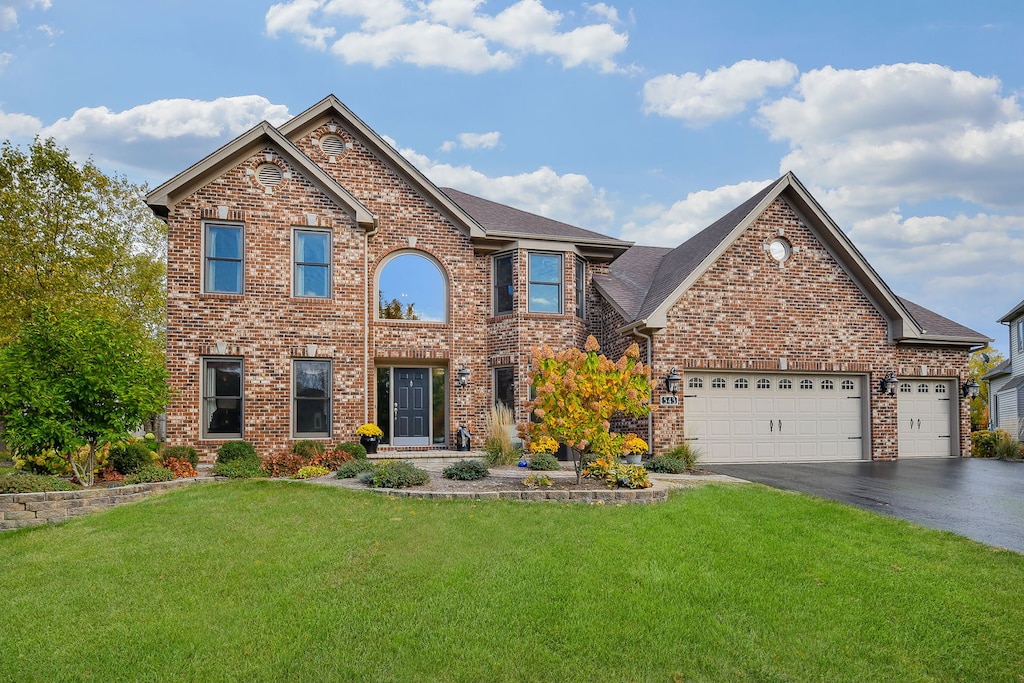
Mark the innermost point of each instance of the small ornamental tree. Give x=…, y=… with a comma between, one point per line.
x=72, y=379
x=579, y=392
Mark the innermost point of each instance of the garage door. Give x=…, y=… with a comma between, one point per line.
x=926, y=418
x=774, y=417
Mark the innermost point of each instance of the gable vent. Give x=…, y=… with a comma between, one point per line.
x=332, y=145
x=269, y=175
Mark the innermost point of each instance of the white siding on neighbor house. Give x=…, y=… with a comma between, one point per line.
x=1003, y=405
x=1016, y=357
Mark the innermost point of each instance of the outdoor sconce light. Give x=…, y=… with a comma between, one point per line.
x=971, y=389
x=672, y=380
x=463, y=376
x=888, y=383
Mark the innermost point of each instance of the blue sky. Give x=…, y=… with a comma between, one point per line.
x=643, y=120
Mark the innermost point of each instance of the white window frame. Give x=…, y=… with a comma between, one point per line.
x=296, y=264
x=204, y=417
x=205, y=275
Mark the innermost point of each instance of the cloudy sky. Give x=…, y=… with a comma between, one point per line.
x=644, y=120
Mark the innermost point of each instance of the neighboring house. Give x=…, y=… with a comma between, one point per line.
x=317, y=280
x=1006, y=380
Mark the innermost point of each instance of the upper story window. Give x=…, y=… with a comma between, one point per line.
x=545, y=283
x=503, y=286
x=312, y=263
x=411, y=286
x=224, y=255
x=1020, y=334
x=581, y=288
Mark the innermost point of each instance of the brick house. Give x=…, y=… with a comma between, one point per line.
x=317, y=280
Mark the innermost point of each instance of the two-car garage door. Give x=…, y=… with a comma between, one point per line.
x=732, y=417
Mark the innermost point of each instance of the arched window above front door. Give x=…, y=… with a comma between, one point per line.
x=412, y=286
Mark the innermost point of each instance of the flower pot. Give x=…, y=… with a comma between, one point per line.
x=634, y=458
x=369, y=443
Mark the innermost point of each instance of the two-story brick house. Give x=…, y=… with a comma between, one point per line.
x=317, y=280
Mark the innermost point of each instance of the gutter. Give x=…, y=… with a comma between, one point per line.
x=650, y=412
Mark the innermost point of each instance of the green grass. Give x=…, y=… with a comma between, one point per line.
x=272, y=581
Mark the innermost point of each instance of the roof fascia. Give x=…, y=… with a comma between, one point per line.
x=165, y=197
x=331, y=105
x=1013, y=314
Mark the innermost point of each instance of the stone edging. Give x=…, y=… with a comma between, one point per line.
x=30, y=509
x=598, y=496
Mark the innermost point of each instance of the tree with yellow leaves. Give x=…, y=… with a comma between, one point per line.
x=579, y=392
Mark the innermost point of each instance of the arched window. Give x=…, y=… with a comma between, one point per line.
x=412, y=286
x=696, y=383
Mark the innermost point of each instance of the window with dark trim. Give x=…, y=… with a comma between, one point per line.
x=311, y=398
x=503, y=286
x=224, y=256
x=545, y=278
x=581, y=288
x=312, y=257
x=505, y=387
x=222, y=398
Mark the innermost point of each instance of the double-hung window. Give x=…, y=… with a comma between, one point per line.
x=312, y=263
x=222, y=398
x=503, y=286
x=545, y=283
x=312, y=398
x=224, y=255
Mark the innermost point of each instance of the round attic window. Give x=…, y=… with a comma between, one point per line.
x=269, y=175
x=780, y=249
x=332, y=145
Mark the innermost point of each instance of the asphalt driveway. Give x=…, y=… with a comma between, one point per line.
x=980, y=499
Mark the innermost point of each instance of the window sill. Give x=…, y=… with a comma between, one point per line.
x=222, y=295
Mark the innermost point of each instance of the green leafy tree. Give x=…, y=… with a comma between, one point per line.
x=981, y=362
x=74, y=238
x=579, y=392
x=394, y=310
x=71, y=379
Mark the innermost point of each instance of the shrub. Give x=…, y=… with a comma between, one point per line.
x=615, y=473
x=332, y=460
x=237, y=450
x=149, y=473
x=498, y=448
x=180, y=468
x=182, y=453
x=26, y=482
x=311, y=471
x=537, y=481
x=543, y=444
x=466, y=470
x=1009, y=448
x=685, y=452
x=398, y=474
x=109, y=474
x=47, y=462
x=366, y=478
x=130, y=457
x=356, y=450
x=283, y=464
x=353, y=468
x=239, y=469
x=995, y=444
x=665, y=464
x=308, y=449
x=544, y=461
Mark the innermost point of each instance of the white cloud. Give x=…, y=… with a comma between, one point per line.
x=5, y=59
x=904, y=133
x=16, y=126
x=448, y=33
x=570, y=197
x=655, y=225
x=480, y=140
x=717, y=94
x=161, y=137
x=9, y=11
x=8, y=18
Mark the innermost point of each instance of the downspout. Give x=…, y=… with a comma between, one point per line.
x=650, y=363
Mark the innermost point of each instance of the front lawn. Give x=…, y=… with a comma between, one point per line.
x=279, y=581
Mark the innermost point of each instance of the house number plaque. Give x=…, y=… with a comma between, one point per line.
x=669, y=400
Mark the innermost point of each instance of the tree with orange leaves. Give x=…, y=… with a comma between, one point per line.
x=579, y=392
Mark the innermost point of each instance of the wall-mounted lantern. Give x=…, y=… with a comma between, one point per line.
x=971, y=389
x=888, y=384
x=672, y=381
x=463, y=376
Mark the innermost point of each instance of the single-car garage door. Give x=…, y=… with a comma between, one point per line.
x=733, y=417
x=925, y=408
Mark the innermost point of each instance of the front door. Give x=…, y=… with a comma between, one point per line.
x=411, y=394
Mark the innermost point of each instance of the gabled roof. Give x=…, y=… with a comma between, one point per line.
x=163, y=198
x=676, y=270
x=1014, y=313
x=998, y=371
x=500, y=220
x=331, y=106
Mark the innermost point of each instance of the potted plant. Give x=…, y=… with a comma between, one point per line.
x=369, y=436
x=634, y=448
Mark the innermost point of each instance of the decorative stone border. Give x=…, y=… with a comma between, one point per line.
x=598, y=496
x=30, y=509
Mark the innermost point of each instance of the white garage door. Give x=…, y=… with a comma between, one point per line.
x=774, y=417
x=926, y=418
